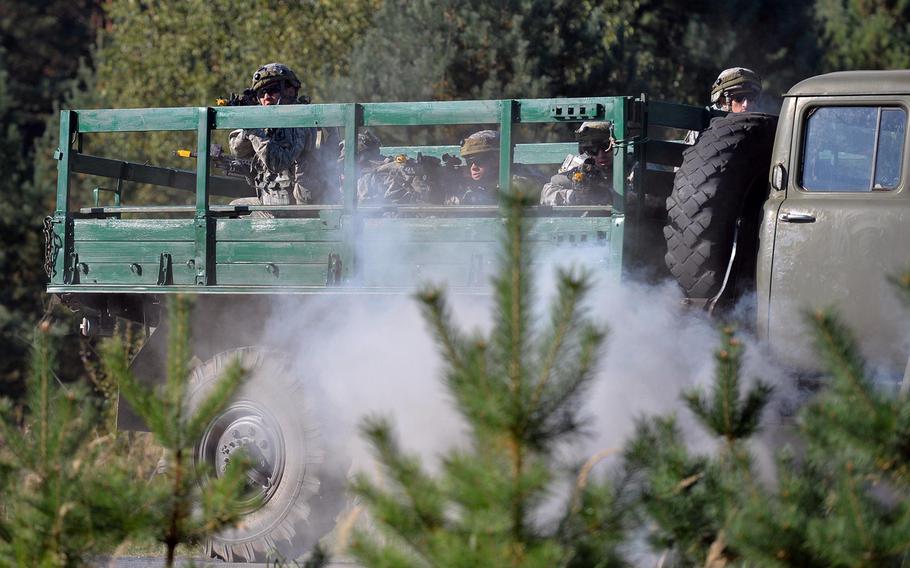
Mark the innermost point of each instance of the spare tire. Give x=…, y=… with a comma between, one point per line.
x=721, y=183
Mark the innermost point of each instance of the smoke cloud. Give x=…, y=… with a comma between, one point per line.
x=369, y=355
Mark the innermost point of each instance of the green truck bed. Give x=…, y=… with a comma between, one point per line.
x=216, y=249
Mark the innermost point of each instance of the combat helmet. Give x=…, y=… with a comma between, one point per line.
x=272, y=72
x=735, y=81
x=479, y=143
x=368, y=145
x=594, y=135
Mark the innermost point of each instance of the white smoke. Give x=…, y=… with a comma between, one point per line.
x=373, y=355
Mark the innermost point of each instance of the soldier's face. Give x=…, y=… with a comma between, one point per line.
x=740, y=103
x=274, y=94
x=483, y=167
x=602, y=154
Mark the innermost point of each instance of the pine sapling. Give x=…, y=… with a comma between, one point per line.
x=64, y=496
x=517, y=390
x=187, y=504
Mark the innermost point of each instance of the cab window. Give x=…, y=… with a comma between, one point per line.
x=853, y=148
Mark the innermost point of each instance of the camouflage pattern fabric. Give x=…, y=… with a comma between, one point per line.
x=287, y=163
x=271, y=72
x=400, y=180
x=583, y=184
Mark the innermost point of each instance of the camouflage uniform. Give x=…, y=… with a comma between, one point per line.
x=464, y=190
x=399, y=180
x=580, y=181
x=286, y=162
x=391, y=180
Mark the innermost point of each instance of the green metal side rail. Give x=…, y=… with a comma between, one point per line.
x=216, y=252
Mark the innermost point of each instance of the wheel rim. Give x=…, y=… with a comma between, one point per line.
x=245, y=426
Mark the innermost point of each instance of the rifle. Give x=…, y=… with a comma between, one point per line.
x=229, y=165
x=248, y=98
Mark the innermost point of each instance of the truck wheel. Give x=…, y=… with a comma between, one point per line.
x=721, y=183
x=267, y=418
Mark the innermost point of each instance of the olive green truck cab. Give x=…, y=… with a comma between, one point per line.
x=812, y=215
x=836, y=223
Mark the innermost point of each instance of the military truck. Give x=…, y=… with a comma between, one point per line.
x=810, y=215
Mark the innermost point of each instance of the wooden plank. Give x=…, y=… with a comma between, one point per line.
x=137, y=119
x=430, y=113
x=431, y=230
x=678, y=116
x=127, y=252
x=133, y=230
x=406, y=274
x=275, y=252
x=439, y=252
x=276, y=274
x=281, y=116
x=543, y=153
x=124, y=273
x=539, y=110
x=549, y=153
x=272, y=230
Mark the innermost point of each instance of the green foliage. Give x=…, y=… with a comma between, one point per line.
x=517, y=390
x=41, y=46
x=844, y=501
x=65, y=496
x=187, y=54
x=185, y=503
x=689, y=498
x=22, y=254
x=864, y=34
x=530, y=48
x=726, y=414
x=680, y=493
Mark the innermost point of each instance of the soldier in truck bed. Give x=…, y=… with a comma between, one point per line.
x=587, y=178
x=479, y=182
x=735, y=90
x=392, y=180
x=287, y=163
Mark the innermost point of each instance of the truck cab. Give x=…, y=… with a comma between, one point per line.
x=836, y=225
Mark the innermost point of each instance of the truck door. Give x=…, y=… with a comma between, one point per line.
x=843, y=229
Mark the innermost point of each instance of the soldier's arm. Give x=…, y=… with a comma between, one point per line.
x=556, y=191
x=240, y=144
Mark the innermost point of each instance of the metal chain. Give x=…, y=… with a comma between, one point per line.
x=49, y=248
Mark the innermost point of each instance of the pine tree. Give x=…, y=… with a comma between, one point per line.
x=842, y=498
x=517, y=390
x=687, y=497
x=185, y=504
x=64, y=495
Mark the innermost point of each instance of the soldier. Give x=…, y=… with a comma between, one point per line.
x=585, y=179
x=368, y=159
x=480, y=184
x=398, y=179
x=285, y=161
x=735, y=89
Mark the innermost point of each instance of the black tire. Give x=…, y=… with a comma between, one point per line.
x=268, y=412
x=722, y=181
